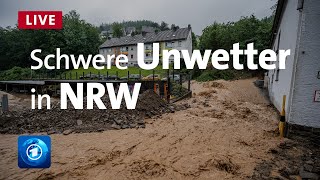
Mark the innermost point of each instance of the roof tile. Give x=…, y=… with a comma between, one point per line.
x=167, y=35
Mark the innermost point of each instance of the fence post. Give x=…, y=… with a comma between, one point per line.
x=5, y=103
x=128, y=75
x=180, y=82
x=153, y=75
x=189, y=83
x=117, y=75
x=172, y=74
x=282, y=117
x=169, y=87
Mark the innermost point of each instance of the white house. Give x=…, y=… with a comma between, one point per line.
x=297, y=27
x=180, y=39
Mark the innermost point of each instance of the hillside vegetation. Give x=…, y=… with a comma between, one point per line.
x=223, y=35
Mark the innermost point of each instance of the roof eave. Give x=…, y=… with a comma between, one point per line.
x=101, y=47
x=277, y=19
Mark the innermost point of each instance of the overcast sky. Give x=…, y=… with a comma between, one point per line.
x=198, y=13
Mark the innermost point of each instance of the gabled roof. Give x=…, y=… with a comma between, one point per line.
x=161, y=36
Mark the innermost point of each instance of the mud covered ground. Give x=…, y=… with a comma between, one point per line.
x=292, y=159
x=20, y=119
x=229, y=132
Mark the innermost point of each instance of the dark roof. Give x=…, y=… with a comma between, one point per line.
x=161, y=36
x=277, y=19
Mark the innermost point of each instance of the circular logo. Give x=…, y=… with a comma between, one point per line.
x=35, y=152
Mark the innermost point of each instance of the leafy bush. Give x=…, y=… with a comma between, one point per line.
x=16, y=73
x=178, y=90
x=210, y=75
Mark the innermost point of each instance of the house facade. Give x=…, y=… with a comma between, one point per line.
x=179, y=39
x=297, y=27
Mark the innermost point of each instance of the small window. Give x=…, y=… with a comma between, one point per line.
x=131, y=56
x=277, y=75
x=131, y=48
x=127, y=48
x=179, y=43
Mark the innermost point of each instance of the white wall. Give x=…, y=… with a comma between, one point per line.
x=304, y=110
x=185, y=44
x=288, y=39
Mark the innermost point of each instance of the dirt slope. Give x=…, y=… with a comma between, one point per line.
x=225, y=134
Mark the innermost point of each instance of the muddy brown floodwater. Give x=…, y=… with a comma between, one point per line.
x=227, y=133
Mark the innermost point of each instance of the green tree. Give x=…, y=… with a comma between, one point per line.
x=164, y=26
x=76, y=37
x=117, y=30
x=246, y=30
x=174, y=27
x=194, y=41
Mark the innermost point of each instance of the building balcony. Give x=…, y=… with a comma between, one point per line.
x=124, y=52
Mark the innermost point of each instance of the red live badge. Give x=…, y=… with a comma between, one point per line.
x=40, y=19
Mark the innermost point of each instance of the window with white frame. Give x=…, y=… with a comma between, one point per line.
x=168, y=44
